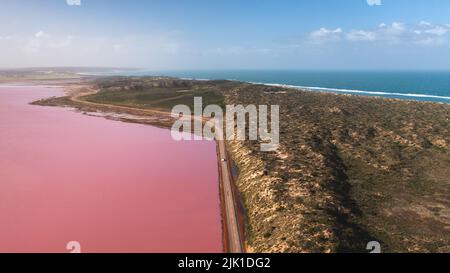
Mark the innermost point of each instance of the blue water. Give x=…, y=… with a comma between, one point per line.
x=419, y=85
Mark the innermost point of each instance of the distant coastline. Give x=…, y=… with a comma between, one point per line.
x=357, y=92
x=419, y=85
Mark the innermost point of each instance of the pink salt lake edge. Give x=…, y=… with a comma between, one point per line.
x=112, y=186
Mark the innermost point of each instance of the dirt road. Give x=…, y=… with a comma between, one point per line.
x=235, y=243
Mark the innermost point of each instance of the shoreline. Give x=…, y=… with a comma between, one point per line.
x=364, y=93
x=233, y=230
x=339, y=91
x=118, y=183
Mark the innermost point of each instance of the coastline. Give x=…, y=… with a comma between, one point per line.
x=382, y=94
x=390, y=94
x=232, y=217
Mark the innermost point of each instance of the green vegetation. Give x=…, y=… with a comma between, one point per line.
x=158, y=93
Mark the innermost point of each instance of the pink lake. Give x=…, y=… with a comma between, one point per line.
x=111, y=186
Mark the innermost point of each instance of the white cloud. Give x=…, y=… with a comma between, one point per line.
x=424, y=23
x=41, y=47
x=361, y=35
x=324, y=35
x=437, y=30
x=73, y=2
x=422, y=33
x=40, y=34
x=323, y=32
x=394, y=29
x=374, y=2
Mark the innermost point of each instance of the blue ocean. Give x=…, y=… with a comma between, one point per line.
x=411, y=85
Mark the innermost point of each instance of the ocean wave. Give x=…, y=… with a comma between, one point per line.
x=338, y=90
x=380, y=93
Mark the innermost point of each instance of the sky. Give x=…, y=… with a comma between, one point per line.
x=227, y=34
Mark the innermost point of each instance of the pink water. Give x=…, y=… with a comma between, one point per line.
x=111, y=186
